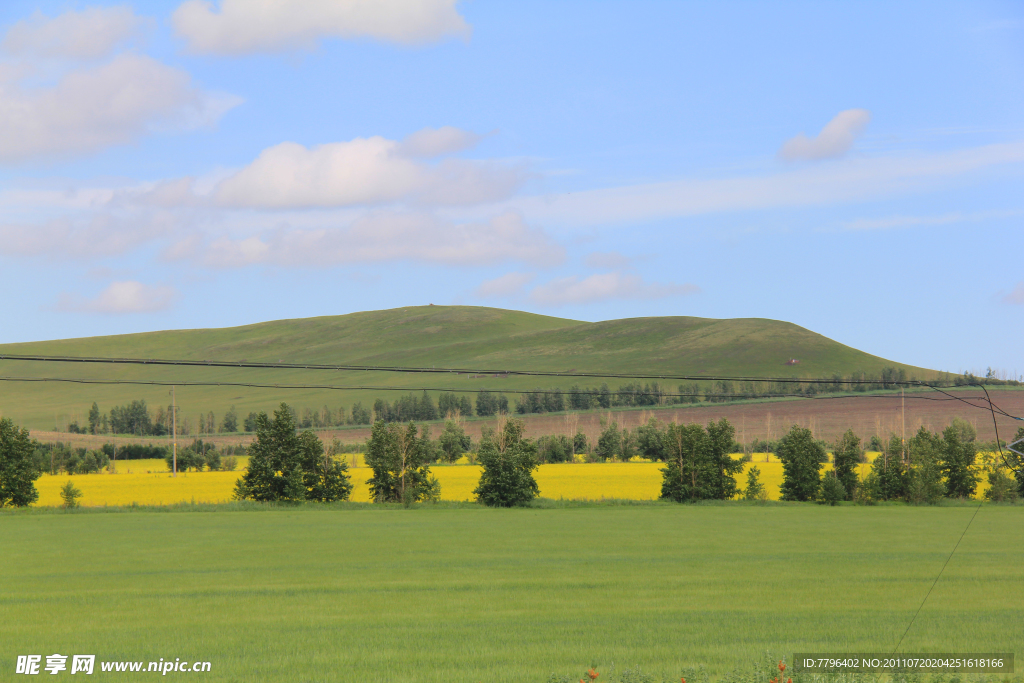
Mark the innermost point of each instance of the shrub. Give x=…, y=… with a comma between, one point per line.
x=755, y=489
x=832, y=490
x=229, y=463
x=70, y=494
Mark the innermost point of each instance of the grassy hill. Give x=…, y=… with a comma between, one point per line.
x=440, y=336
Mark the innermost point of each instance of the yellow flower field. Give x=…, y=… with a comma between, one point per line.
x=147, y=482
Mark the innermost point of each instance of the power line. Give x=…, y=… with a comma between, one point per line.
x=436, y=370
x=367, y=387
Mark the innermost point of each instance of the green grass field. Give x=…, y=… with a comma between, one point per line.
x=441, y=336
x=470, y=594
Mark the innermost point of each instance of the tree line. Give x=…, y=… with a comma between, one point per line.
x=287, y=464
x=138, y=419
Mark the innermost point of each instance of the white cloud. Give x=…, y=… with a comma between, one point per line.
x=128, y=296
x=506, y=285
x=92, y=33
x=241, y=27
x=111, y=104
x=910, y=221
x=95, y=235
x=1016, y=296
x=834, y=140
x=849, y=181
x=364, y=171
x=434, y=142
x=384, y=236
x=607, y=260
x=603, y=287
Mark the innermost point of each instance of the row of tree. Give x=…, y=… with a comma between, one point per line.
x=287, y=465
x=136, y=418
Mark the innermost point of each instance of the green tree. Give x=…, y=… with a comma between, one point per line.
x=801, y=458
x=698, y=464
x=17, y=471
x=609, y=443
x=230, y=422
x=958, y=454
x=924, y=480
x=754, y=489
x=845, y=457
x=889, y=480
x=94, y=418
x=69, y=494
x=453, y=441
x=508, y=462
x=401, y=471
x=832, y=489
x=286, y=466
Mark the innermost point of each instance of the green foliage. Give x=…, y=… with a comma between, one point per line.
x=801, y=458
x=554, y=448
x=754, y=489
x=650, y=441
x=69, y=494
x=17, y=469
x=508, y=462
x=957, y=463
x=609, y=443
x=888, y=479
x=846, y=455
x=94, y=418
x=453, y=441
x=698, y=465
x=401, y=468
x=229, y=464
x=230, y=422
x=1017, y=461
x=488, y=404
x=924, y=480
x=285, y=466
x=832, y=489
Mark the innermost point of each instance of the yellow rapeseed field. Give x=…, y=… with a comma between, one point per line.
x=147, y=482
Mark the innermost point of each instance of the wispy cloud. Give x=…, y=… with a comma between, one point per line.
x=84, y=106
x=509, y=284
x=124, y=297
x=604, y=287
x=834, y=140
x=607, y=260
x=849, y=181
x=89, y=34
x=245, y=27
x=369, y=171
x=889, y=222
x=381, y=237
x=1016, y=296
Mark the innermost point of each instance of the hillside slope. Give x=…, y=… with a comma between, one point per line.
x=437, y=336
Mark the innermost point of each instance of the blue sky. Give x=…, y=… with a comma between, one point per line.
x=853, y=168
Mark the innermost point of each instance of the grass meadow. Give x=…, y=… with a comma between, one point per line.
x=459, y=593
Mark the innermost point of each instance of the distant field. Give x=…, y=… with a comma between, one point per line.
x=428, y=336
x=469, y=595
x=147, y=482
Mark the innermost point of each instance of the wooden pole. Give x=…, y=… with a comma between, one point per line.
x=174, y=430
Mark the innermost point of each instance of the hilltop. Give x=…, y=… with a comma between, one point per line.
x=438, y=336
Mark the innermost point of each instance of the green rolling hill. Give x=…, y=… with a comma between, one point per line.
x=440, y=336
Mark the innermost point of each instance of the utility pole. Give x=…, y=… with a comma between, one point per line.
x=174, y=431
x=903, y=425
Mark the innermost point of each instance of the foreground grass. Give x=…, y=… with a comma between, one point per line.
x=460, y=593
